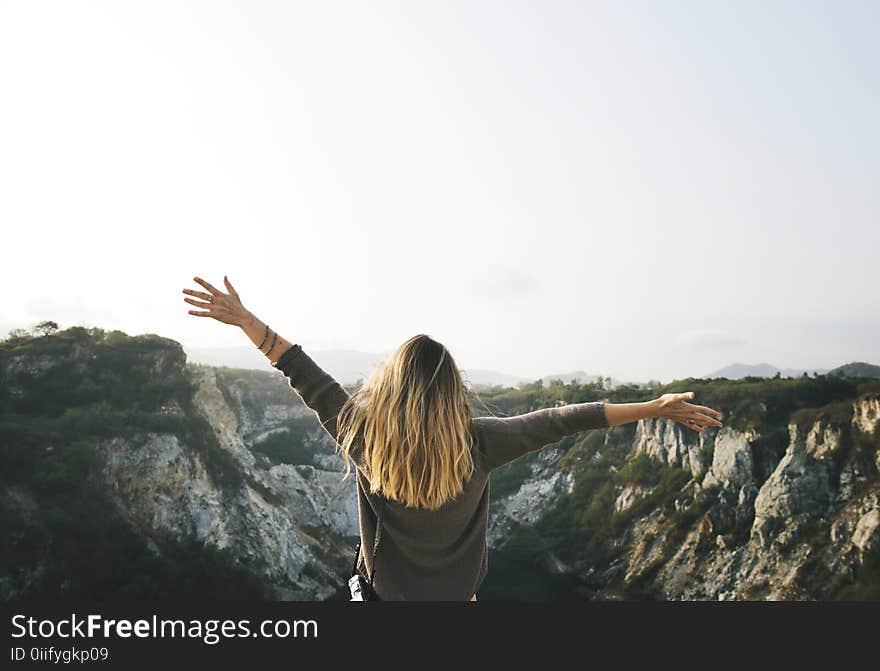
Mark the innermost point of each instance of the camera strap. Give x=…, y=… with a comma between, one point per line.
x=378, y=538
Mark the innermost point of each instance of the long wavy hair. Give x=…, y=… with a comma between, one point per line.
x=413, y=416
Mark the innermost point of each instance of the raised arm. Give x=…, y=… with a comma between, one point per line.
x=503, y=439
x=672, y=406
x=318, y=390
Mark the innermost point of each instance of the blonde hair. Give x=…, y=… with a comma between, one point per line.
x=414, y=418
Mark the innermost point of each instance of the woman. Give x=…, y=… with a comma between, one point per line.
x=411, y=435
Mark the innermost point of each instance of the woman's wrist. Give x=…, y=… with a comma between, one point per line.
x=247, y=321
x=624, y=413
x=261, y=333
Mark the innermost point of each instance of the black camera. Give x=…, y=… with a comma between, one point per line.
x=360, y=589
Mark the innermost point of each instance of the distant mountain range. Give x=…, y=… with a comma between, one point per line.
x=348, y=366
x=857, y=369
x=491, y=378
x=738, y=371
x=345, y=365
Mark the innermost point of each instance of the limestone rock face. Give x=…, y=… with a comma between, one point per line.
x=161, y=483
x=293, y=521
x=531, y=500
x=628, y=496
x=788, y=515
x=798, y=488
x=866, y=413
x=799, y=531
x=669, y=443
x=732, y=465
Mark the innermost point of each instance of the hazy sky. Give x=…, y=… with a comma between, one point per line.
x=637, y=189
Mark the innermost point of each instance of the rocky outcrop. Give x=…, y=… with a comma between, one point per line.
x=667, y=442
x=292, y=522
x=799, y=532
x=799, y=489
x=532, y=499
x=732, y=466
x=160, y=483
x=866, y=413
x=789, y=515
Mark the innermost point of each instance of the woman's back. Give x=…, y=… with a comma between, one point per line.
x=426, y=554
x=438, y=554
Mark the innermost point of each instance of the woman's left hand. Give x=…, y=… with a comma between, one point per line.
x=696, y=417
x=226, y=308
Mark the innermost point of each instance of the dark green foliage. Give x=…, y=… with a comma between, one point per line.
x=762, y=403
x=114, y=368
x=707, y=454
x=767, y=450
x=686, y=517
x=524, y=542
x=86, y=550
x=507, y=480
x=578, y=525
x=583, y=525
x=836, y=412
x=640, y=470
x=858, y=369
x=866, y=586
x=869, y=387
x=101, y=386
x=642, y=587
x=255, y=389
x=667, y=487
x=293, y=446
x=512, y=578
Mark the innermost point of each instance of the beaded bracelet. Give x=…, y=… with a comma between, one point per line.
x=272, y=346
x=260, y=346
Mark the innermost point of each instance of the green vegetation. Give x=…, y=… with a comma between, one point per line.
x=640, y=470
x=508, y=479
x=837, y=413
x=86, y=386
x=254, y=388
x=294, y=445
x=866, y=586
x=857, y=369
x=752, y=402
x=583, y=526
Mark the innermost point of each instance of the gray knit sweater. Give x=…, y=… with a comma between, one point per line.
x=438, y=555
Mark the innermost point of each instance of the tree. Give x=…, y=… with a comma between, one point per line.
x=18, y=333
x=45, y=328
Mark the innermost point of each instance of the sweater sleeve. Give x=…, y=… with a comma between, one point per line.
x=317, y=388
x=503, y=439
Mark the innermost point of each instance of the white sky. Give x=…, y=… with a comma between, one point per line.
x=642, y=190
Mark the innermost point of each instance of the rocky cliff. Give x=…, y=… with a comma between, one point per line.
x=746, y=519
x=291, y=523
x=778, y=504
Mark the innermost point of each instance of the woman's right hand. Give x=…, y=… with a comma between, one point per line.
x=677, y=408
x=226, y=308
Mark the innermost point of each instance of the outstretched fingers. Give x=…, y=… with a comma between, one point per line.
x=705, y=419
x=230, y=287
x=707, y=410
x=210, y=287
x=693, y=425
x=197, y=294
